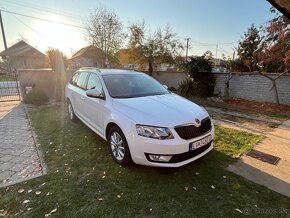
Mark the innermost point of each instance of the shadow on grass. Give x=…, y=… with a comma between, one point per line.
x=84, y=181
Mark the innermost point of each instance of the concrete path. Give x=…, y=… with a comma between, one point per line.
x=19, y=157
x=274, y=177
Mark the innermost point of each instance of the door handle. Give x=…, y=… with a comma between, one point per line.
x=82, y=97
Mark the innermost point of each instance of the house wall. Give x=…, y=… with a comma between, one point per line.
x=78, y=62
x=28, y=62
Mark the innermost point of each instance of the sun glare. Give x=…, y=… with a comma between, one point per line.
x=52, y=34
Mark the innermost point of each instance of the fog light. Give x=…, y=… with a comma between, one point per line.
x=160, y=158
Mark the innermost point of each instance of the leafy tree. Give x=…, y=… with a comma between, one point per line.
x=246, y=50
x=105, y=31
x=274, y=52
x=150, y=49
x=57, y=60
x=199, y=69
x=58, y=63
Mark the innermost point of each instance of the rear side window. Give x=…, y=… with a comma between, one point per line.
x=94, y=83
x=74, y=78
x=82, y=80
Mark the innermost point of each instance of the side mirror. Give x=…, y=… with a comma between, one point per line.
x=165, y=86
x=93, y=93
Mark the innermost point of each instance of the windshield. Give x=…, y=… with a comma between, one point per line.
x=132, y=85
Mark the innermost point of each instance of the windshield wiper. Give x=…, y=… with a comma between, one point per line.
x=124, y=96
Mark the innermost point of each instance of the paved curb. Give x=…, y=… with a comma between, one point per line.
x=36, y=144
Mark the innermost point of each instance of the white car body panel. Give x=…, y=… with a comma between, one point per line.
x=169, y=110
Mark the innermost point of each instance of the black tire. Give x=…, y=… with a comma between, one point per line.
x=121, y=154
x=71, y=113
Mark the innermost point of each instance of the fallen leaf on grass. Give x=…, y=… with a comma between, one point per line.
x=197, y=173
x=3, y=212
x=28, y=209
x=21, y=190
x=49, y=214
x=186, y=188
x=212, y=186
x=43, y=184
x=224, y=177
x=118, y=196
x=26, y=201
x=38, y=192
x=238, y=210
x=29, y=191
x=194, y=188
x=100, y=199
x=103, y=177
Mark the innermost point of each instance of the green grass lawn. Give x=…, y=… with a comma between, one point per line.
x=83, y=180
x=7, y=78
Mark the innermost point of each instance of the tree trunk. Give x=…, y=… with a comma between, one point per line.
x=150, y=69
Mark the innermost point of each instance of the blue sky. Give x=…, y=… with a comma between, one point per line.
x=206, y=22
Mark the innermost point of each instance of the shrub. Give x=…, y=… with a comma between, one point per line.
x=172, y=89
x=188, y=87
x=36, y=96
x=199, y=69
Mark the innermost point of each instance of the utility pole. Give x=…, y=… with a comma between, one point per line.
x=187, y=45
x=216, y=51
x=3, y=33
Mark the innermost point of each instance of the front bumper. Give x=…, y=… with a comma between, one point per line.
x=177, y=148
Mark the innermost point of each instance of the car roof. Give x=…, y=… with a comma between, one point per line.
x=109, y=71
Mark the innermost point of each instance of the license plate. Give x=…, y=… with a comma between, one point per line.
x=199, y=143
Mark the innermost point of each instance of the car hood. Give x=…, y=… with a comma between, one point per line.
x=160, y=110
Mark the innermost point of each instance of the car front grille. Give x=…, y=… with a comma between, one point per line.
x=191, y=131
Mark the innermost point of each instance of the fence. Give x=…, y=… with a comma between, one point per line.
x=40, y=78
x=250, y=86
x=253, y=86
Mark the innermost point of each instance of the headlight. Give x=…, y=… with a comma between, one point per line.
x=154, y=132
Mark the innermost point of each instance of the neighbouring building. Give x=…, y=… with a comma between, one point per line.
x=219, y=65
x=127, y=61
x=22, y=56
x=90, y=56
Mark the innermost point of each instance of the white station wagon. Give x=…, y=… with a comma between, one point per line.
x=143, y=122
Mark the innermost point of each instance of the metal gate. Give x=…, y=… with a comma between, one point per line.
x=9, y=85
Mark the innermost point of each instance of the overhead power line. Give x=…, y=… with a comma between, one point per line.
x=46, y=20
x=38, y=8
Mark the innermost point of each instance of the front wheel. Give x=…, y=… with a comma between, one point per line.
x=71, y=112
x=119, y=146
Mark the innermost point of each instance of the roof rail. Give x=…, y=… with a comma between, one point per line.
x=90, y=68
